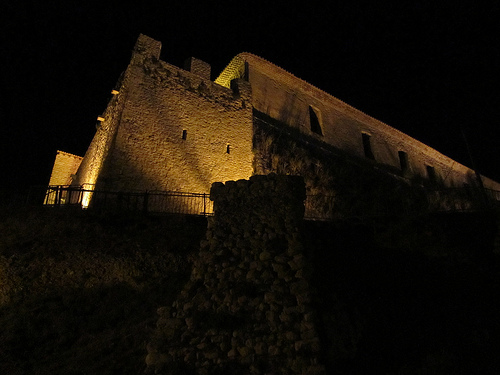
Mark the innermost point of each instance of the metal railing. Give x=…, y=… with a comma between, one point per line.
x=317, y=207
x=145, y=201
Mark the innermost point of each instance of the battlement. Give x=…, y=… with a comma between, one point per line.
x=198, y=67
x=147, y=47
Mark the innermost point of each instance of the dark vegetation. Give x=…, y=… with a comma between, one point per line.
x=79, y=291
x=406, y=296
x=417, y=296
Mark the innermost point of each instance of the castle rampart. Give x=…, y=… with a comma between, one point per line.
x=172, y=129
x=286, y=98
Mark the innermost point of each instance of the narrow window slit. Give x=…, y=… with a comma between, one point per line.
x=367, y=147
x=403, y=160
x=431, y=173
x=184, y=134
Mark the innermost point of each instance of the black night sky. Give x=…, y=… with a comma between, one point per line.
x=427, y=68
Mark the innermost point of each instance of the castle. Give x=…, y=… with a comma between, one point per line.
x=172, y=129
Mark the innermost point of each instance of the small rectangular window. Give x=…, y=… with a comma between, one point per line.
x=228, y=149
x=184, y=134
x=403, y=160
x=431, y=173
x=367, y=147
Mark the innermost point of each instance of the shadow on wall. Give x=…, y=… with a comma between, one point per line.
x=155, y=171
x=347, y=186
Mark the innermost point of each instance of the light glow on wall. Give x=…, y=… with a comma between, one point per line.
x=87, y=195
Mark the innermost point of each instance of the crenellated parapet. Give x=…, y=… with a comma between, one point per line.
x=170, y=129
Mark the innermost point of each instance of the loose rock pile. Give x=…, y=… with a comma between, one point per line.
x=247, y=306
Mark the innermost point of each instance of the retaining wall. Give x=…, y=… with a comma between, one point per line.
x=247, y=308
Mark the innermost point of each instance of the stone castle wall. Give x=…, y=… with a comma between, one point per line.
x=65, y=166
x=290, y=100
x=247, y=308
x=102, y=142
x=170, y=129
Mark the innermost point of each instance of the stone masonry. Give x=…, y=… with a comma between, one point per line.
x=65, y=166
x=247, y=308
x=173, y=129
x=170, y=129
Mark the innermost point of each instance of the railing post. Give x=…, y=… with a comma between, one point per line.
x=145, y=202
x=69, y=196
x=79, y=196
x=58, y=195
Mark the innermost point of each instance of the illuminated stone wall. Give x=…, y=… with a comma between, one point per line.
x=290, y=100
x=170, y=129
x=63, y=172
x=99, y=149
x=65, y=166
x=248, y=306
x=109, y=121
x=167, y=128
